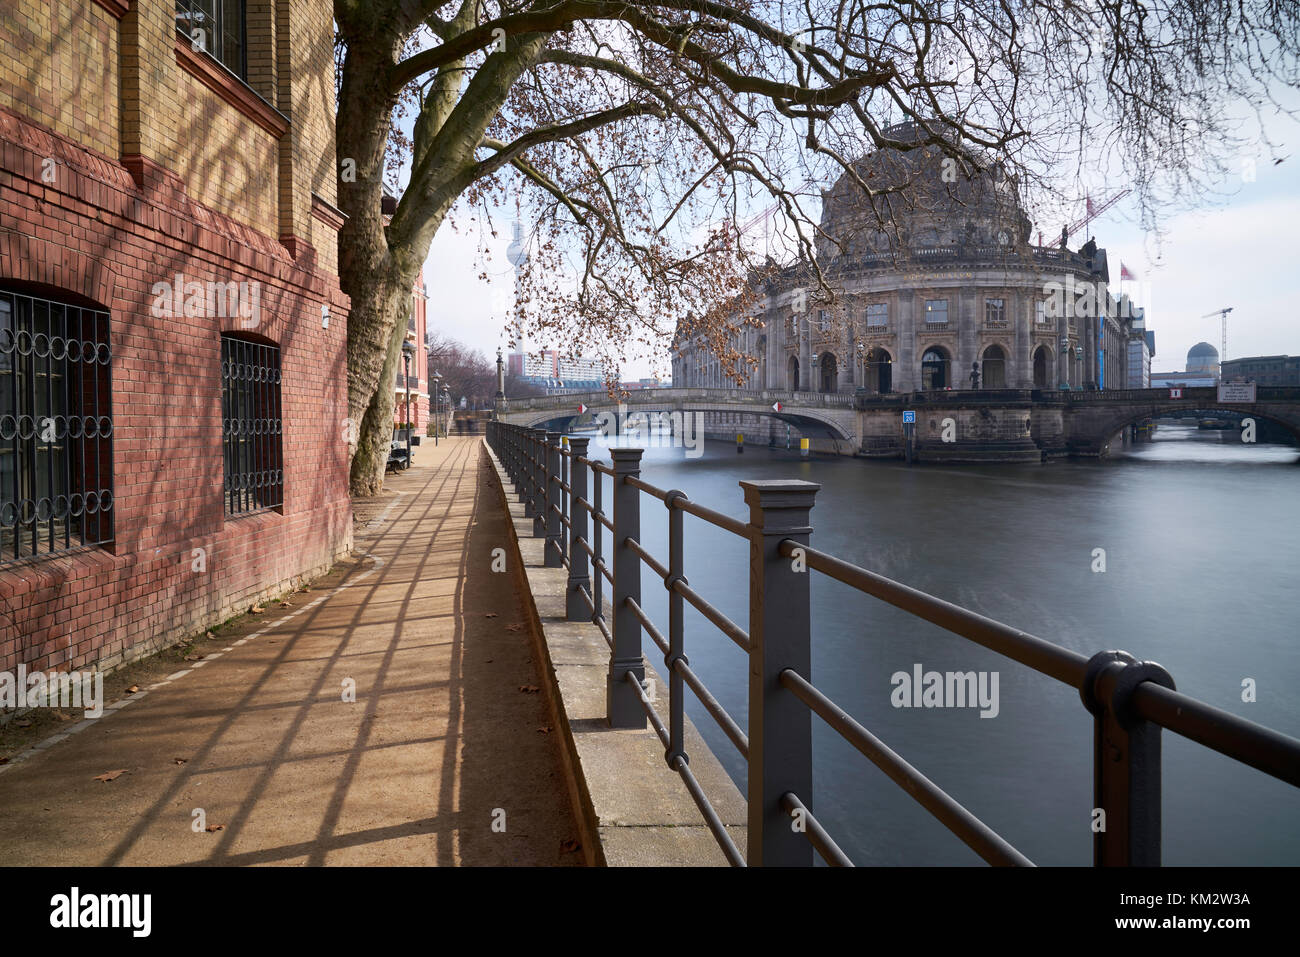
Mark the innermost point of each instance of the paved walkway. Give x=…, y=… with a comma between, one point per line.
x=441, y=749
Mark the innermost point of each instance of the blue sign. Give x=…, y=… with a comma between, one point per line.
x=909, y=416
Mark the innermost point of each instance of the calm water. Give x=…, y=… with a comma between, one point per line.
x=1202, y=562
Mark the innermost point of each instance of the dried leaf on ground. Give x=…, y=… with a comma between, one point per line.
x=22, y=723
x=110, y=775
x=179, y=760
x=133, y=689
x=215, y=827
x=490, y=614
x=545, y=729
x=209, y=635
x=529, y=689
x=194, y=657
x=515, y=627
x=569, y=847
x=256, y=610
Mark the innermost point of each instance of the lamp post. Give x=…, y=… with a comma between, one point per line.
x=437, y=426
x=408, y=350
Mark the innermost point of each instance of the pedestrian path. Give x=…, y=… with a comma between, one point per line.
x=388, y=716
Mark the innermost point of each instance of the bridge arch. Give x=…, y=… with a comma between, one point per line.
x=1096, y=429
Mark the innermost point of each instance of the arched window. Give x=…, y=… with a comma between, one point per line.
x=994, y=373
x=829, y=371
x=879, y=371
x=793, y=374
x=934, y=369
x=56, y=425
x=1042, y=364
x=251, y=426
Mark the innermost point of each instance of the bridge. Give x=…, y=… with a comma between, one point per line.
x=978, y=425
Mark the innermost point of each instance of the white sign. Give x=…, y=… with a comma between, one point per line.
x=1175, y=393
x=909, y=416
x=1236, y=392
x=777, y=407
x=581, y=408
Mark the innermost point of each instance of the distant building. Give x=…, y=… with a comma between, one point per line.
x=1263, y=370
x=1202, y=370
x=556, y=373
x=1141, y=345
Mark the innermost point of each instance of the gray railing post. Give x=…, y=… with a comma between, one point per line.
x=539, y=483
x=780, y=726
x=1126, y=762
x=622, y=704
x=527, y=468
x=575, y=606
x=554, y=550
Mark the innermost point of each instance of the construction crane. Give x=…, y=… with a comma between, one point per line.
x=1223, y=339
x=1092, y=213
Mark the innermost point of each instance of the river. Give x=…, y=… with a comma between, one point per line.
x=1201, y=574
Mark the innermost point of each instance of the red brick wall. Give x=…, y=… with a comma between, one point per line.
x=95, y=233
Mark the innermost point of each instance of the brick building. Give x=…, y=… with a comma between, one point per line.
x=172, y=333
x=418, y=381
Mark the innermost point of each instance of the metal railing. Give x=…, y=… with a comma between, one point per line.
x=1130, y=700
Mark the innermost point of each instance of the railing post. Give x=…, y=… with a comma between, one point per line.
x=554, y=551
x=1126, y=762
x=575, y=606
x=780, y=726
x=527, y=468
x=622, y=705
x=539, y=483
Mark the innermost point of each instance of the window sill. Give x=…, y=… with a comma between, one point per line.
x=213, y=74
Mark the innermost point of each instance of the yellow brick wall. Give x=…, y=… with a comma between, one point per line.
x=117, y=87
x=59, y=68
x=226, y=160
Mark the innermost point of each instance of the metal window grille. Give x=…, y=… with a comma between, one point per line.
x=217, y=27
x=56, y=426
x=251, y=425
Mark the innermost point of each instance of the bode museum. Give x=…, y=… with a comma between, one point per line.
x=936, y=286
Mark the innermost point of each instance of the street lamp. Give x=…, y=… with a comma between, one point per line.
x=437, y=381
x=408, y=350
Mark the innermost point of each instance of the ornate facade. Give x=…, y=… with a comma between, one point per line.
x=935, y=286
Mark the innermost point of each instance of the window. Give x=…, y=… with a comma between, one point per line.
x=878, y=314
x=995, y=313
x=823, y=320
x=250, y=425
x=1040, y=313
x=56, y=426
x=217, y=27
x=936, y=311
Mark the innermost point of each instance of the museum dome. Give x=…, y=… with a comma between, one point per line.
x=1202, y=357
x=923, y=199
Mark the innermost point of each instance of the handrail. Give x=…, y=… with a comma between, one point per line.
x=1130, y=701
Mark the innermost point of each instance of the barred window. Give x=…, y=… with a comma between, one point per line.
x=56, y=426
x=250, y=425
x=217, y=27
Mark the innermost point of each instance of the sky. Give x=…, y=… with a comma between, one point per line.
x=1239, y=250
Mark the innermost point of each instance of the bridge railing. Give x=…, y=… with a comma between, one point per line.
x=1131, y=701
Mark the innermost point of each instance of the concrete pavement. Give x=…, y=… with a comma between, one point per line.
x=254, y=754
